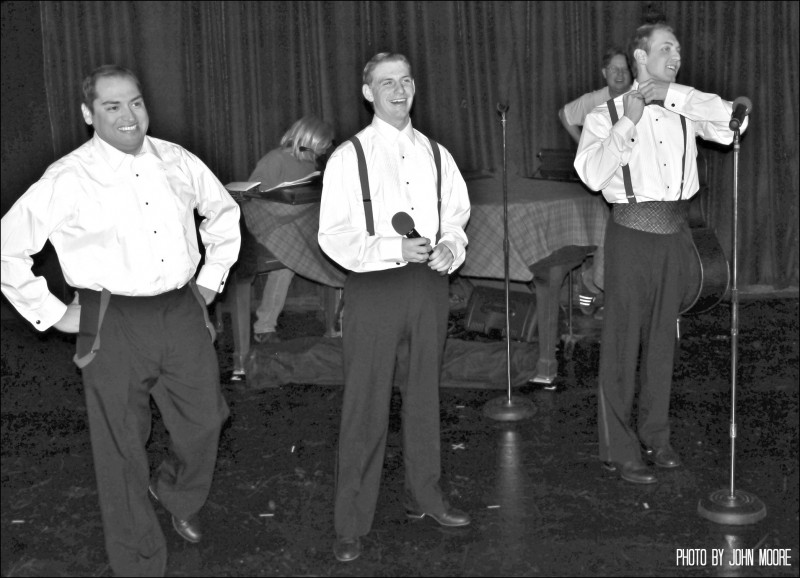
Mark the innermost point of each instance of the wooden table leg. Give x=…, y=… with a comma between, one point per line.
x=548, y=276
x=240, y=321
x=331, y=297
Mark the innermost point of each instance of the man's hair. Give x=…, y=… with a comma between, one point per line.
x=612, y=52
x=104, y=71
x=308, y=138
x=383, y=57
x=641, y=39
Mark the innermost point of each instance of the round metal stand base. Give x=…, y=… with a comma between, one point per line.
x=503, y=409
x=738, y=510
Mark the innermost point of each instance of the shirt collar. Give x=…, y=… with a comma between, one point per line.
x=115, y=157
x=390, y=133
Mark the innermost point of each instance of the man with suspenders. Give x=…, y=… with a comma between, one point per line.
x=643, y=158
x=396, y=298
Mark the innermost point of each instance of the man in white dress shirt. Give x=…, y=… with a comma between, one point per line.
x=645, y=164
x=119, y=211
x=396, y=300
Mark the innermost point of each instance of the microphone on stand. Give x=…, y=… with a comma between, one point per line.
x=502, y=108
x=741, y=108
x=404, y=225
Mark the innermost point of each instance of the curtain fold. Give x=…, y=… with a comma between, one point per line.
x=226, y=79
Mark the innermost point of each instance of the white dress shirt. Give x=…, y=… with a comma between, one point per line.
x=575, y=112
x=653, y=148
x=402, y=177
x=119, y=222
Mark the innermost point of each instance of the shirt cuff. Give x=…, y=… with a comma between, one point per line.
x=625, y=138
x=51, y=311
x=391, y=249
x=677, y=94
x=213, y=277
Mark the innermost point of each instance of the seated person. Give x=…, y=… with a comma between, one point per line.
x=617, y=74
x=301, y=150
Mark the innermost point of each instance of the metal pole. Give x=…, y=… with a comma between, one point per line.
x=505, y=257
x=509, y=408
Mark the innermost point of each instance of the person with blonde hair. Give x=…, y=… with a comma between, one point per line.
x=301, y=150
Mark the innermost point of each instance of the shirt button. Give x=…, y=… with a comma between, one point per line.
x=672, y=105
x=396, y=263
x=633, y=140
x=38, y=322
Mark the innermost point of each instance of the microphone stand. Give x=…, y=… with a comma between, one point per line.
x=731, y=506
x=509, y=408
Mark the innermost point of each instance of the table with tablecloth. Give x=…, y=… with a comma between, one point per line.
x=552, y=226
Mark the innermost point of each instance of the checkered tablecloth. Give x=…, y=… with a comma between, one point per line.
x=543, y=216
x=290, y=233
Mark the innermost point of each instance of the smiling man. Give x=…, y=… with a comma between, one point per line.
x=643, y=158
x=396, y=298
x=119, y=211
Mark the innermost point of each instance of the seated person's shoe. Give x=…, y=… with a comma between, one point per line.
x=188, y=529
x=636, y=472
x=663, y=457
x=267, y=337
x=347, y=549
x=451, y=518
x=587, y=303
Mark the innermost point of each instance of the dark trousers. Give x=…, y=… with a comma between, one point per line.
x=155, y=346
x=645, y=277
x=399, y=311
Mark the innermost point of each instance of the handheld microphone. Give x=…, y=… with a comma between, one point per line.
x=404, y=225
x=741, y=108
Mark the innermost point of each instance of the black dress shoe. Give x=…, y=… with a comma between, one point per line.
x=452, y=518
x=347, y=549
x=637, y=473
x=663, y=457
x=188, y=529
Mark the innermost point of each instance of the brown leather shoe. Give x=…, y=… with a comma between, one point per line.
x=637, y=473
x=664, y=457
x=452, y=518
x=347, y=549
x=188, y=529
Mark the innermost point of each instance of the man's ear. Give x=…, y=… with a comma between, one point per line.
x=367, y=92
x=87, y=114
x=603, y=70
x=640, y=56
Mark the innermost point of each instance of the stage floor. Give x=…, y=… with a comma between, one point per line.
x=540, y=501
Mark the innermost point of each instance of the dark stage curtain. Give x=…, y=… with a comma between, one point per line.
x=225, y=79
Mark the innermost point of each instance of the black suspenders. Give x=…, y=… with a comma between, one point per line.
x=626, y=171
x=365, y=194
